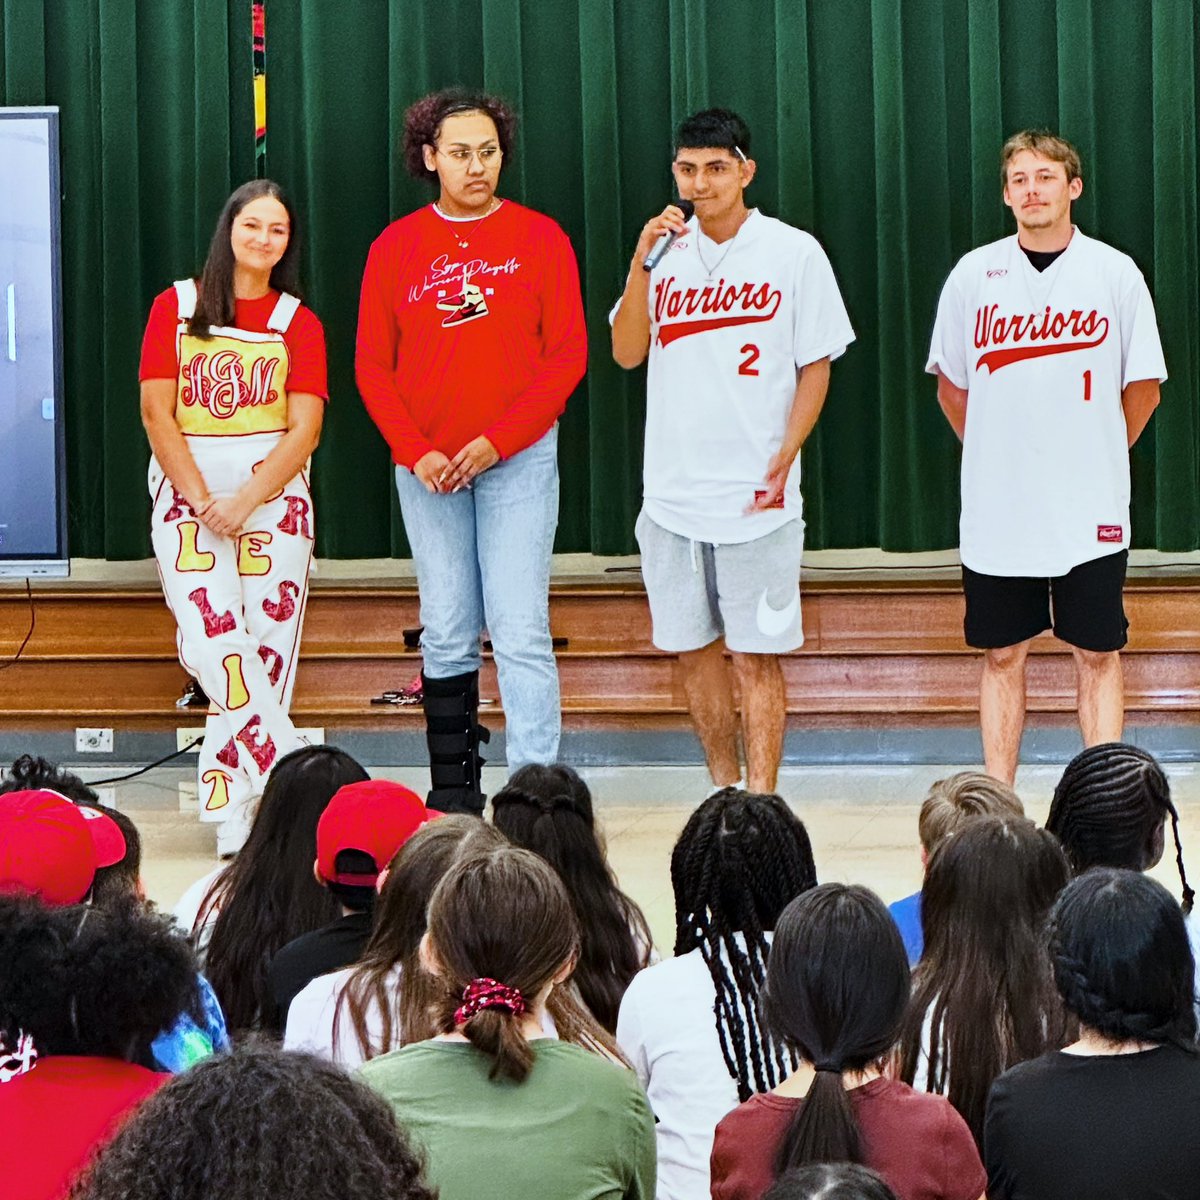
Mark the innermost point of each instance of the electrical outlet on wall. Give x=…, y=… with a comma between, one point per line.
x=93, y=741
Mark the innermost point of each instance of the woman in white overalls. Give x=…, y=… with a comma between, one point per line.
x=233, y=395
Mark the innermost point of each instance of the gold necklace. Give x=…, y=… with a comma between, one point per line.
x=464, y=242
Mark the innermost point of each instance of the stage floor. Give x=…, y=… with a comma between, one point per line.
x=862, y=821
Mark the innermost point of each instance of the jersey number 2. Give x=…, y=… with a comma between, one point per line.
x=1087, y=385
x=746, y=366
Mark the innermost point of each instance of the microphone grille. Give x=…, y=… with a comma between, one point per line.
x=687, y=208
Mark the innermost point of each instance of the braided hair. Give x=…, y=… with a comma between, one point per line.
x=1122, y=958
x=740, y=859
x=1108, y=807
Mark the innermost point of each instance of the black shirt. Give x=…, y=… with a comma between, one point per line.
x=1040, y=259
x=317, y=953
x=1119, y=1127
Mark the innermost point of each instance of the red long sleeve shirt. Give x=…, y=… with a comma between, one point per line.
x=454, y=342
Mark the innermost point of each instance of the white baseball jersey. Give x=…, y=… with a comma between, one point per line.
x=1044, y=357
x=730, y=324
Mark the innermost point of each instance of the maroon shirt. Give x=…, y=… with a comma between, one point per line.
x=916, y=1141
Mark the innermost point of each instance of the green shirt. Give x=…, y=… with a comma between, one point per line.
x=578, y=1128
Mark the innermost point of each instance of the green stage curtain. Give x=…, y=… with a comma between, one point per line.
x=876, y=124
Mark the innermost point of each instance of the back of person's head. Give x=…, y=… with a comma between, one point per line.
x=1110, y=809
x=400, y=922
x=951, y=802
x=548, y=809
x=84, y=981
x=259, y=1123
x=119, y=883
x=714, y=129
x=1122, y=958
x=269, y=895
x=358, y=834
x=31, y=772
x=836, y=989
x=741, y=858
x=830, y=1181
x=501, y=929
x=983, y=984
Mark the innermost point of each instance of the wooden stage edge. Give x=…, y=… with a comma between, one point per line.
x=879, y=654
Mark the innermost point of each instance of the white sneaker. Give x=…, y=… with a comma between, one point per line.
x=740, y=785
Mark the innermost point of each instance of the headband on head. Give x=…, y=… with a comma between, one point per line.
x=488, y=993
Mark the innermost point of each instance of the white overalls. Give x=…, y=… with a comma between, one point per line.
x=238, y=602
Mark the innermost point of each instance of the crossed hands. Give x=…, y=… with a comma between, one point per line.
x=441, y=474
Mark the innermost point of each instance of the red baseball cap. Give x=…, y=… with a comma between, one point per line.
x=375, y=817
x=50, y=848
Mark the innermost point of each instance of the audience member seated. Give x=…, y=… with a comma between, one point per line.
x=501, y=1108
x=830, y=1181
x=548, y=809
x=983, y=997
x=268, y=895
x=259, y=1125
x=385, y=1001
x=358, y=834
x=83, y=993
x=1115, y=1115
x=948, y=806
x=1111, y=808
x=690, y=1025
x=836, y=990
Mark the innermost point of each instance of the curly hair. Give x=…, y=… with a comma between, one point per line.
x=423, y=123
x=259, y=1123
x=1122, y=958
x=90, y=982
x=740, y=859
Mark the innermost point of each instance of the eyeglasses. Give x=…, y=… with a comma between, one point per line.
x=462, y=157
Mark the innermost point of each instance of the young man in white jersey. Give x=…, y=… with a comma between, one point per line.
x=1048, y=361
x=740, y=320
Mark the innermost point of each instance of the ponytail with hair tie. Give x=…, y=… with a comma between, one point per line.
x=488, y=993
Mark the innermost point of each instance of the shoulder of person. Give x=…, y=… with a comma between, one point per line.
x=166, y=303
x=991, y=256
x=306, y=322
x=402, y=230
x=535, y=223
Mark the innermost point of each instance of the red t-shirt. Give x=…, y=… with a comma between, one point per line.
x=917, y=1142
x=305, y=340
x=454, y=343
x=54, y=1117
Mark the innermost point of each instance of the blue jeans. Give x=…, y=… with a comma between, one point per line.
x=482, y=557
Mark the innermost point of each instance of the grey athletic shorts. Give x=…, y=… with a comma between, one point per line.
x=748, y=591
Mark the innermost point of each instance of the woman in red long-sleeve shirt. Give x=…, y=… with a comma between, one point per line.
x=470, y=339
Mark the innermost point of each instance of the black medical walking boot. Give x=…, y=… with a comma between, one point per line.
x=454, y=735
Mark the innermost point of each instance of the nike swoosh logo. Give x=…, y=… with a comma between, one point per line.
x=774, y=622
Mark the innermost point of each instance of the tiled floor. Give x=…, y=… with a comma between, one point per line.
x=862, y=822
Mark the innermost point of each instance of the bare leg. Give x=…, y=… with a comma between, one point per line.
x=1101, y=685
x=1002, y=709
x=764, y=714
x=709, y=692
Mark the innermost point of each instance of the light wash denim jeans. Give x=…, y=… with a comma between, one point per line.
x=482, y=557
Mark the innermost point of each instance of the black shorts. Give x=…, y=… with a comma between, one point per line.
x=1003, y=610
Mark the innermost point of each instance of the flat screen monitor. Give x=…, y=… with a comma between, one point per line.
x=33, y=508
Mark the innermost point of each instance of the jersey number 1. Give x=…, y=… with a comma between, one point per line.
x=746, y=366
x=1087, y=385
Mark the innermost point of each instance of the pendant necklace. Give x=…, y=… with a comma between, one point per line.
x=465, y=240
x=711, y=271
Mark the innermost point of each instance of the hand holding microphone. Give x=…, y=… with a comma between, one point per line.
x=661, y=233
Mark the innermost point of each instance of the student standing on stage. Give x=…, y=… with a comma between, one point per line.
x=1049, y=364
x=233, y=396
x=470, y=339
x=740, y=321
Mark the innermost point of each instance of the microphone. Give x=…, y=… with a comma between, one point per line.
x=667, y=240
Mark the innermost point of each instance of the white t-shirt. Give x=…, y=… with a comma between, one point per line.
x=725, y=346
x=667, y=1030
x=1044, y=357
x=187, y=909
x=310, y=1020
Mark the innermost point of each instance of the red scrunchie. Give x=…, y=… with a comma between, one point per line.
x=488, y=993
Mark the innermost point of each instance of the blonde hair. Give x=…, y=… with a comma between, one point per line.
x=1043, y=142
x=959, y=798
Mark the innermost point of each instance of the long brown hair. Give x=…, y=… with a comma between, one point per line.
x=548, y=809
x=504, y=915
x=984, y=981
